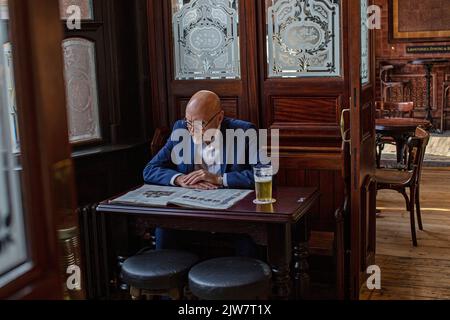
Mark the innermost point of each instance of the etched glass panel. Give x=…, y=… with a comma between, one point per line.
x=13, y=238
x=81, y=87
x=4, y=11
x=365, y=43
x=86, y=10
x=304, y=38
x=206, y=39
x=11, y=97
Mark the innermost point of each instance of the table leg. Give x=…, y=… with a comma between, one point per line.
x=400, y=145
x=301, y=255
x=279, y=253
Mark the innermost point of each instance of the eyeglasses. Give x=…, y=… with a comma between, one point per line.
x=191, y=124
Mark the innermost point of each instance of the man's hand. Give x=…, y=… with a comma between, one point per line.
x=202, y=176
x=180, y=182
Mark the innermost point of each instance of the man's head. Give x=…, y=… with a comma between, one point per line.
x=204, y=112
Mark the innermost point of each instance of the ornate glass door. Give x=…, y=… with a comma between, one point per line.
x=36, y=173
x=14, y=255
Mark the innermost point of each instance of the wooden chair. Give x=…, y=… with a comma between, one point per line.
x=390, y=110
x=445, y=111
x=387, y=85
x=410, y=178
x=159, y=140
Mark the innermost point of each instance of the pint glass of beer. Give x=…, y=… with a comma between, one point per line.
x=263, y=184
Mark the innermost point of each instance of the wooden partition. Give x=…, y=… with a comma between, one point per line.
x=278, y=86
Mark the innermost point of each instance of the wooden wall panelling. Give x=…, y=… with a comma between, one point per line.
x=96, y=32
x=130, y=65
x=415, y=74
x=395, y=53
x=389, y=50
x=306, y=110
x=158, y=116
x=116, y=165
x=316, y=171
x=124, y=99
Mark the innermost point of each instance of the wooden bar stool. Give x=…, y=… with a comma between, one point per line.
x=445, y=107
x=234, y=278
x=158, y=273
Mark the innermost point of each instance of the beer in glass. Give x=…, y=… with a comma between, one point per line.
x=263, y=184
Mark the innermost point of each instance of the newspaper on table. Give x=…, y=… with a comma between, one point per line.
x=158, y=196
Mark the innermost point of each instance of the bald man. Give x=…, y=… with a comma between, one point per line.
x=203, y=114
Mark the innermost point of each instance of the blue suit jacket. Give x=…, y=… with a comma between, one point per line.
x=161, y=169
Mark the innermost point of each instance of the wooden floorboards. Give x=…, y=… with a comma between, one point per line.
x=409, y=273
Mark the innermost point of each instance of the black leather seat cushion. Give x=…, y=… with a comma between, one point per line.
x=234, y=278
x=158, y=270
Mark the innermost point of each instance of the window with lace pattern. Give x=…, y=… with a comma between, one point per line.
x=81, y=77
x=365, y=43
x=82, y=93
x=206, y=39
x=14, y=254
x=303, y=38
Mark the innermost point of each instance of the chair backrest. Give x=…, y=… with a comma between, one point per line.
x=417, y=146
x=159, y=140
x=446, y=90
x=384, y=72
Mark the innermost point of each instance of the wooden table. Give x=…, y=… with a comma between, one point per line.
x=429, y=64
x=282, y=227
x=401, y=129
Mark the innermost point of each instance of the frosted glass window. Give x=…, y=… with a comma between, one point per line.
x=13, y=239
x=206, y=39
x=4, y=12
x=365, y=44
x=81, y=87
x=87, y=13
x=303, y=38
x=11, y=97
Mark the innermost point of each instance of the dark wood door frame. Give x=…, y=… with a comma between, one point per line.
x=36, y=35
x=362, y=151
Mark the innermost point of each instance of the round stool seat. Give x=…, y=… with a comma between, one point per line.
x=158, y=270
x=234, y=278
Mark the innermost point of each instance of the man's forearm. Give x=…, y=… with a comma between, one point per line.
x=159, y=175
